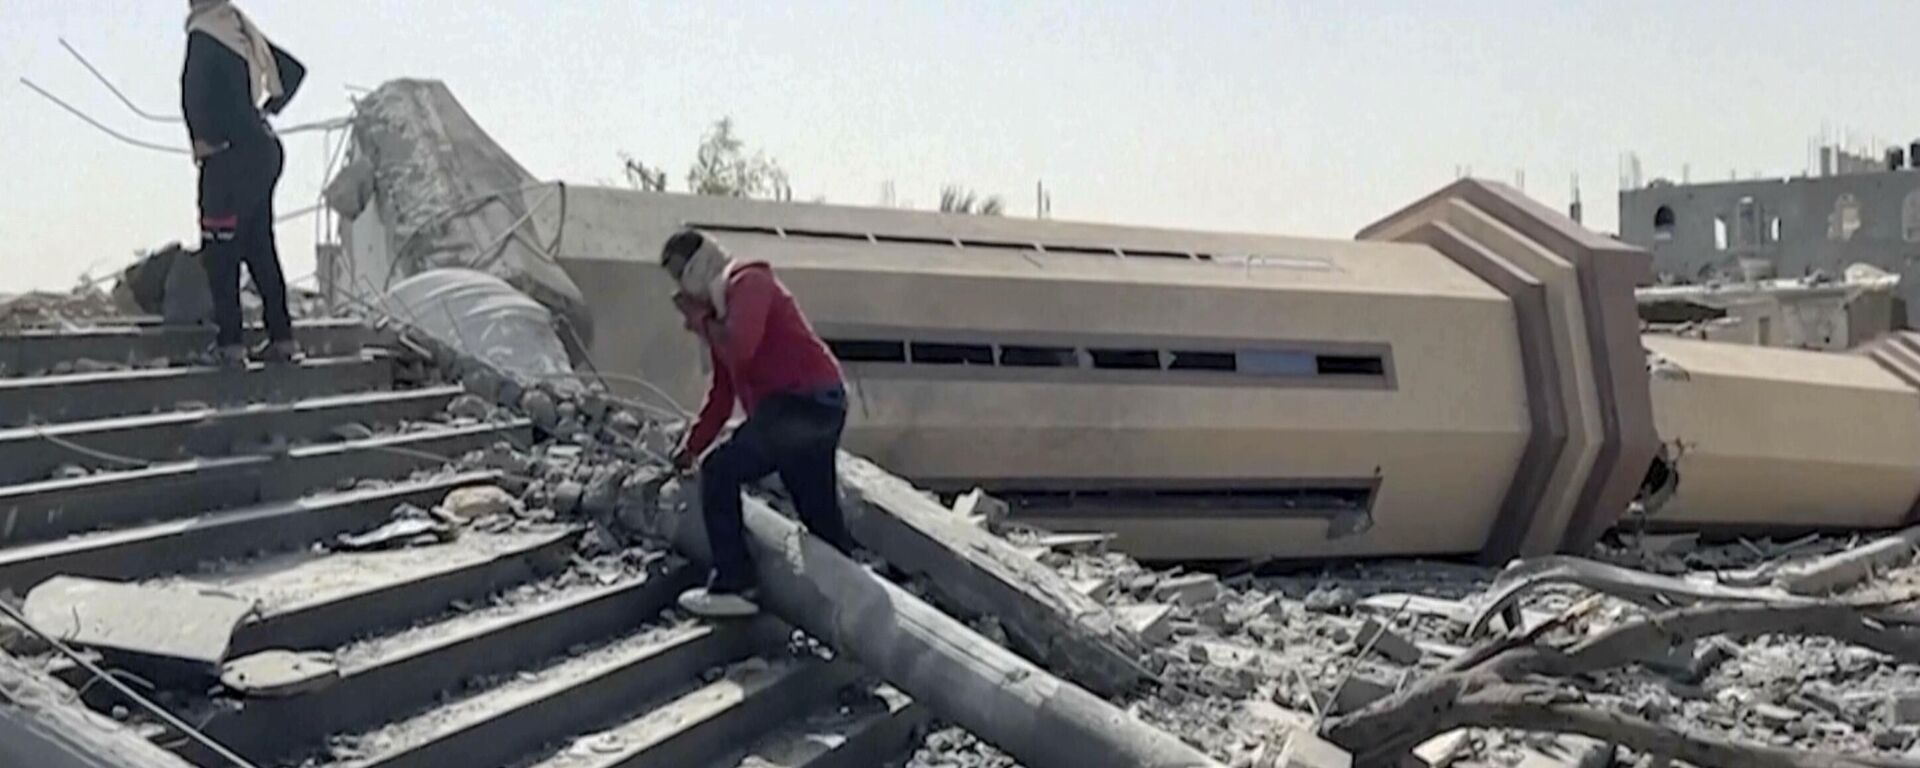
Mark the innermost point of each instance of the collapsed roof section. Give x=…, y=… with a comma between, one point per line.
x=425, y=187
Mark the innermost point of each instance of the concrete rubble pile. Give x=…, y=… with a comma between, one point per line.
x=1250, y=668
x=1244, y=664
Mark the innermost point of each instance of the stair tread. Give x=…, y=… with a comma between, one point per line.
x=882, y=721
x=476, y=709
x=103, y=543
x=656, y=725
x=298, y=581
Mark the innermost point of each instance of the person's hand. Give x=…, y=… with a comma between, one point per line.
x=203, y=150
x=694, y=312
x=683, y=459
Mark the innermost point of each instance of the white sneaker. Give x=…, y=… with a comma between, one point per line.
x=717, y=605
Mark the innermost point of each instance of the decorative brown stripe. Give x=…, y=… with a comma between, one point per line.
x=1609, y=271
x=1546, y=410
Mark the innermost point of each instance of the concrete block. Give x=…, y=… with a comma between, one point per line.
x=1100, y=589
x=169, y=623
x=1440, y=751
x=1189, y=590
x=279, y=674
x=1845, y=569
x=1359, y=692
x=1390, y=645
x=1905, y=706
x=1077, y=543
x=1151, y=622
x=1305, y=749
x=978, y=503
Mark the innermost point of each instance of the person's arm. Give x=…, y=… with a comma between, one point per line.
x=206, y=88
x=292, y=74
x=713, y=415
x=749, y=298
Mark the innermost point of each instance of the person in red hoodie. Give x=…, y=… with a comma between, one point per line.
x=765, y=357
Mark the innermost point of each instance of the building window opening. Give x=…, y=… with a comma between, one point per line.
x=952, y=354
x=1845, y=219
x=1663, y=223
x=1204, y=361
x=1350, y=365
x=1719, y=233
x=1773, y=229
x=1126, y=359
x=1910, y=212
x=860, y=351
x=1039, y=357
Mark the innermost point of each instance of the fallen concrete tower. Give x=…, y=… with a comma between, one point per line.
x=1764, y=438
x=1466, y=378
x=1302, y=398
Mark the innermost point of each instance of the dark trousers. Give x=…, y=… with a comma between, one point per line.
x=236, y=228
x=797, y=436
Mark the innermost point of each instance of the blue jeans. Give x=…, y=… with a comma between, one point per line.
x=796, y=435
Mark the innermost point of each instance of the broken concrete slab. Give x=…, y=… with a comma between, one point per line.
x=42, y=727
x=1151, y=622
x=1100, y=589
x=1440, y=751
x=972, y=572
x=1189, y=590
x=1845, y=569
x=1389, y=644
x=1305, y=749
x=979, y=505
x=1358, y=692
x=280, y=674
x=1077, y=543
x=1905, y=706
x=170, y=624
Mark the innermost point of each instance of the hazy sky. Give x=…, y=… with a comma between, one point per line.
x=1300, y=118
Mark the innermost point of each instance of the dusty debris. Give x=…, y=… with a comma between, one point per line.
x=410, y=526
x=479, y=501
x=1850, y=567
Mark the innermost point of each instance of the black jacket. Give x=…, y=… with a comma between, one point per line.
x=218, y=100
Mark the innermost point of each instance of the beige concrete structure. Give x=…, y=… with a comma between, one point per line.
x=1592, y=427
x=1204, y=395
x=1788, y=439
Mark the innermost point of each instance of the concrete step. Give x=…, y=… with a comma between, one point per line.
x=310, y=601
x=710, y=723
x=50, y=509
x=879, y=729
x=501, y=724
x=34, y=351
x=396, y=676
x=74, y=397
x=33, y=453
x=173, y=546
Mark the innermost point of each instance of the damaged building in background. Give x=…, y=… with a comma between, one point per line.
x=1856, y=210
x=449, y=537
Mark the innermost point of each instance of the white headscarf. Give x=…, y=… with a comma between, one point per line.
x=706, y=276
x=225, y=23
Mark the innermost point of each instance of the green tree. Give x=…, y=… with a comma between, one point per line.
x=957, y=199
x=723, y=168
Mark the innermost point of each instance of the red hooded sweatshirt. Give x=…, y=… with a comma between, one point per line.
x=767, y=348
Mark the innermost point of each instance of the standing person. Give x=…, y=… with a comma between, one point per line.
x=233, y=78
x=766, y=357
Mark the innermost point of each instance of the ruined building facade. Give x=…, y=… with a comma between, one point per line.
x=1853, y=212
